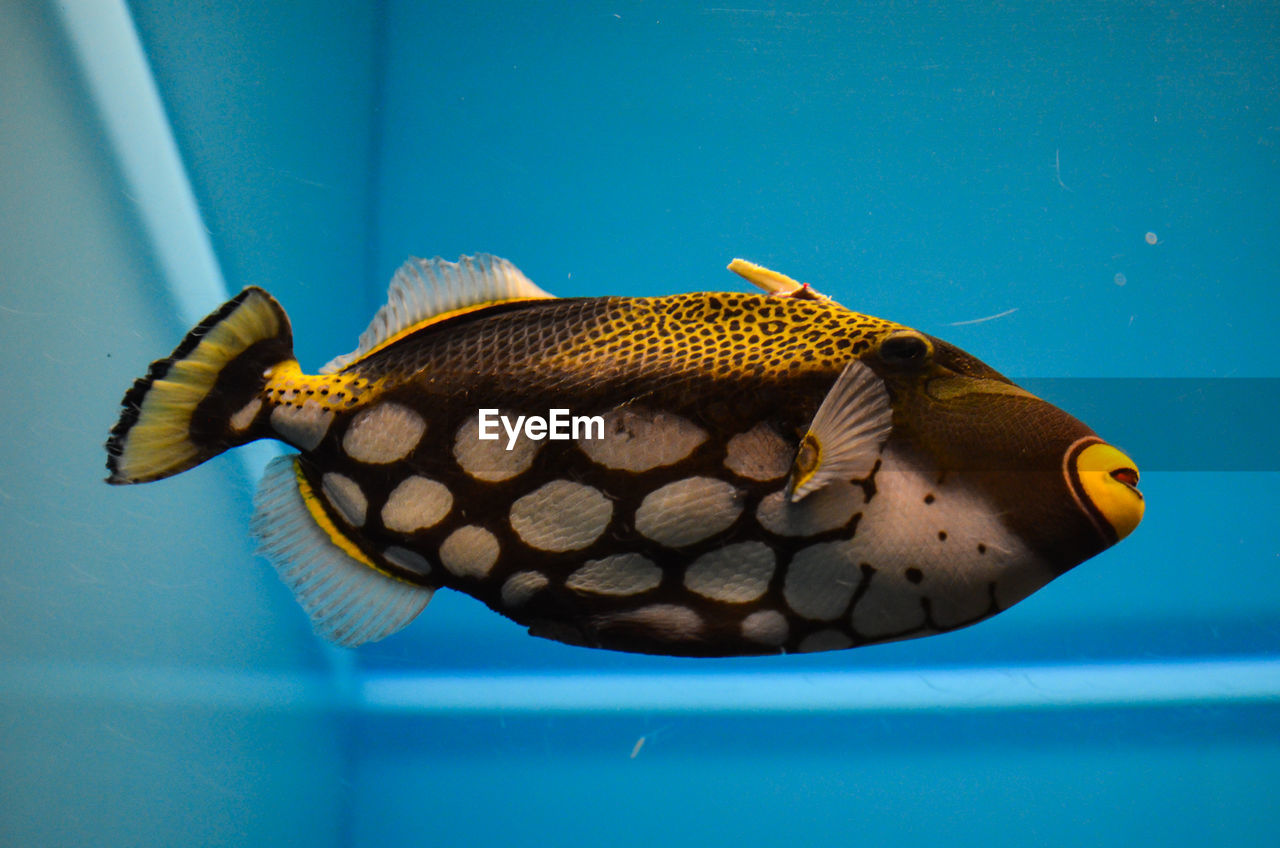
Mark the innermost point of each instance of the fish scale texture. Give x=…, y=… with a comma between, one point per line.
x=572, y=345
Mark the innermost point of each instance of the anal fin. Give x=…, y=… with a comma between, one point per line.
x=348, y=600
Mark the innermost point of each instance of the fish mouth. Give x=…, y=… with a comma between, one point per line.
x=1104, y=482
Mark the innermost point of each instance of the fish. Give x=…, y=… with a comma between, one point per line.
x=755, y=473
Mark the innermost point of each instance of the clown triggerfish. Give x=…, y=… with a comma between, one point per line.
x=705, y=474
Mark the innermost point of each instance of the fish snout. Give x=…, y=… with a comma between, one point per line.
x=1105, y=481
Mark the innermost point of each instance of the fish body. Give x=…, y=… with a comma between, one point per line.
x=753, y=473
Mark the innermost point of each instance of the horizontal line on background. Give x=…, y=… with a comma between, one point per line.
x=1176, y=423
x=161, y=686
x=1061, y=686
x=990, y=688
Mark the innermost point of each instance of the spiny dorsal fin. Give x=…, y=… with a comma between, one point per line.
x=425, y=289
x=774, y=282
x=844, y=440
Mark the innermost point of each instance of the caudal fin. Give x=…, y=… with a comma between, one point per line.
x=205, y=396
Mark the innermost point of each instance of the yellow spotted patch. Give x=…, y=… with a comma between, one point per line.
x=288, y=386
x=725, y=334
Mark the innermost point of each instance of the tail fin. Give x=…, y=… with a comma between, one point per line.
x=205, y=397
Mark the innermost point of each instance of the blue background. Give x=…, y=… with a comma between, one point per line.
x=931, y=163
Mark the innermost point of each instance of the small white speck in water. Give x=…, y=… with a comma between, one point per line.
x=1121, y=279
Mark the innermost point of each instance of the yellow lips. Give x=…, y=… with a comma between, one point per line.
x=1110, y=481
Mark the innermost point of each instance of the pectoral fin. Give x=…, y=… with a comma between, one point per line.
x=846, y=435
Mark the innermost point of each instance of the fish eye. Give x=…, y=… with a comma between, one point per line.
x=905, y=350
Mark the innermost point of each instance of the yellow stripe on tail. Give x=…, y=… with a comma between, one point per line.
x=203, y=398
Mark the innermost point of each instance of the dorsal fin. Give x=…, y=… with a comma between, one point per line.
x=424, y=290
x=775, y=283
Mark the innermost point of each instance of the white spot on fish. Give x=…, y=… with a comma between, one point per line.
x=488, y=459
x=766, y=627
x=407, y=559
x=561, y=516
x=416, y=504
x=734, y=574
x=469, y=551
x=899, y=531
x=758, y=454
x=688, y=511
x=383, y=433
x=821, y=580
x=619, y=575
x=345, y=496
x=522, y=586
x=664, y=621
x=826, y=509
x=303, y=427
x=638, y=439
x=244, y=417
x=824, y=640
